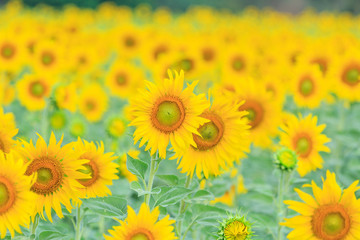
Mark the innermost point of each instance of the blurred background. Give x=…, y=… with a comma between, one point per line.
x=290, y=6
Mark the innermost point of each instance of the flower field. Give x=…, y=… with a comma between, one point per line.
x=138, y=124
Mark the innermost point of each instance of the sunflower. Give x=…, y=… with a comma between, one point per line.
x=145, y=225
x=331, y=214
x=235, y=228
x=93, y=106
x=116, y=127
x=222, y=140
x=122, y=164
x=66, y=97
x=127, y=40
x=100, y=167
x=58, y=170
x=304, y=137
x=16, y=199
x=33, y=90
x=124, y=79
x=11, y=52
x=264, y=111
x=308, y=86
x=7, y=131
x=165, y=112
x=346, y=76
x=48, y=58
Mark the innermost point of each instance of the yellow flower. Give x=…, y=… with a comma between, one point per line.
x=11, y=51
x=124, y=79
x=48, y=58
x=91, y=105
x=7, y=131
x=57, y=170
x=122, y=165
x=16, y=200
x=145, y=225
x=304, y=137
x=165, y=112
x=66, y=97
x=309, y=88
x=100, y=167
x=222, y=140
x=33, y=91
x=331, y=214
x=116, y=127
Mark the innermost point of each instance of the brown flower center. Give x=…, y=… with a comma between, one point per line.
x=211, y=132
x=168, y=114
x=322, y=63
x=8, y=51
x=238, y=64
x=255, y=112
x=7, y=195
x=90, y=105
x=49, y=175
x=208, y=54
x=303, y=144
x=351, y=75
x=37, y=89
x=121, y=79
x=160, y=50
x=306, y=86
x=129, y=41
x=140, y=234
x=47, y=58
x=331, y=222
x=92, y=170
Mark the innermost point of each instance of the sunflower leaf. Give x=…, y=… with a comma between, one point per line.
x=171, y=195
x=111, y=206
x=137, y=167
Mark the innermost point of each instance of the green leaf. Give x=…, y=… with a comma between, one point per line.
x=202, y=211
x=137, y=167
x=52, y=235
x=171, y=195
x=202, y=195
x=170, y=180
x=112, y=206
x=138, y=188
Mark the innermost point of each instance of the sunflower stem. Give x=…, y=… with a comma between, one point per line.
x=78, y=223
x=280, y=204
x=340, y=129
x=44, y=120
x=153, y=169
x=34, y=225
x=182, y=207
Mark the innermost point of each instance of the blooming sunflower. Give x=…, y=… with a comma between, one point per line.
x=7, y=131
x=66, y=97
x=331, y=214
x=264, y=112
x=11, y=51
x=124, y=79
x=33, y=91
x=304, y=137
x=165, y=112
x=93, y=106
x=57, y=169
x=122, y=165
x=143, y=226
x=222, y=140
x=100, y=167
x=308, y=86
x=48, y=58
x=16, y=199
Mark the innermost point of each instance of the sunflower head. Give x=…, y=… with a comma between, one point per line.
x=285, y=159
x=235, y=227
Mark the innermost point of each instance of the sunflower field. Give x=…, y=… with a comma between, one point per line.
x=137, y=124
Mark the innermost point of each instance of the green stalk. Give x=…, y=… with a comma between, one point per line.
x=280, y=204
x=153, y=169
x=78, y=223
x=182, y=207
x=34, y=225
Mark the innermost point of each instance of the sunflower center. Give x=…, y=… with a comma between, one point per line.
x=236, y=231
x=322, y=63
x=186, y=64
x=141, y=234
x=208, y=54
x=7, y=195
x=37, y=89
x=255, y=112
x=287, y=159
x=168, y=114
x=7, y=51
x=2, y=146
x=331, y=222
x=238, y=64
x=160, y=50
x=306, y=86
x=130, y=42
x=49, y=175
x=351, y=75
x=90, y=105
x=303, y=146
x=211, y=132
x=90, y=169
x=121, y=79
x=47, y=58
